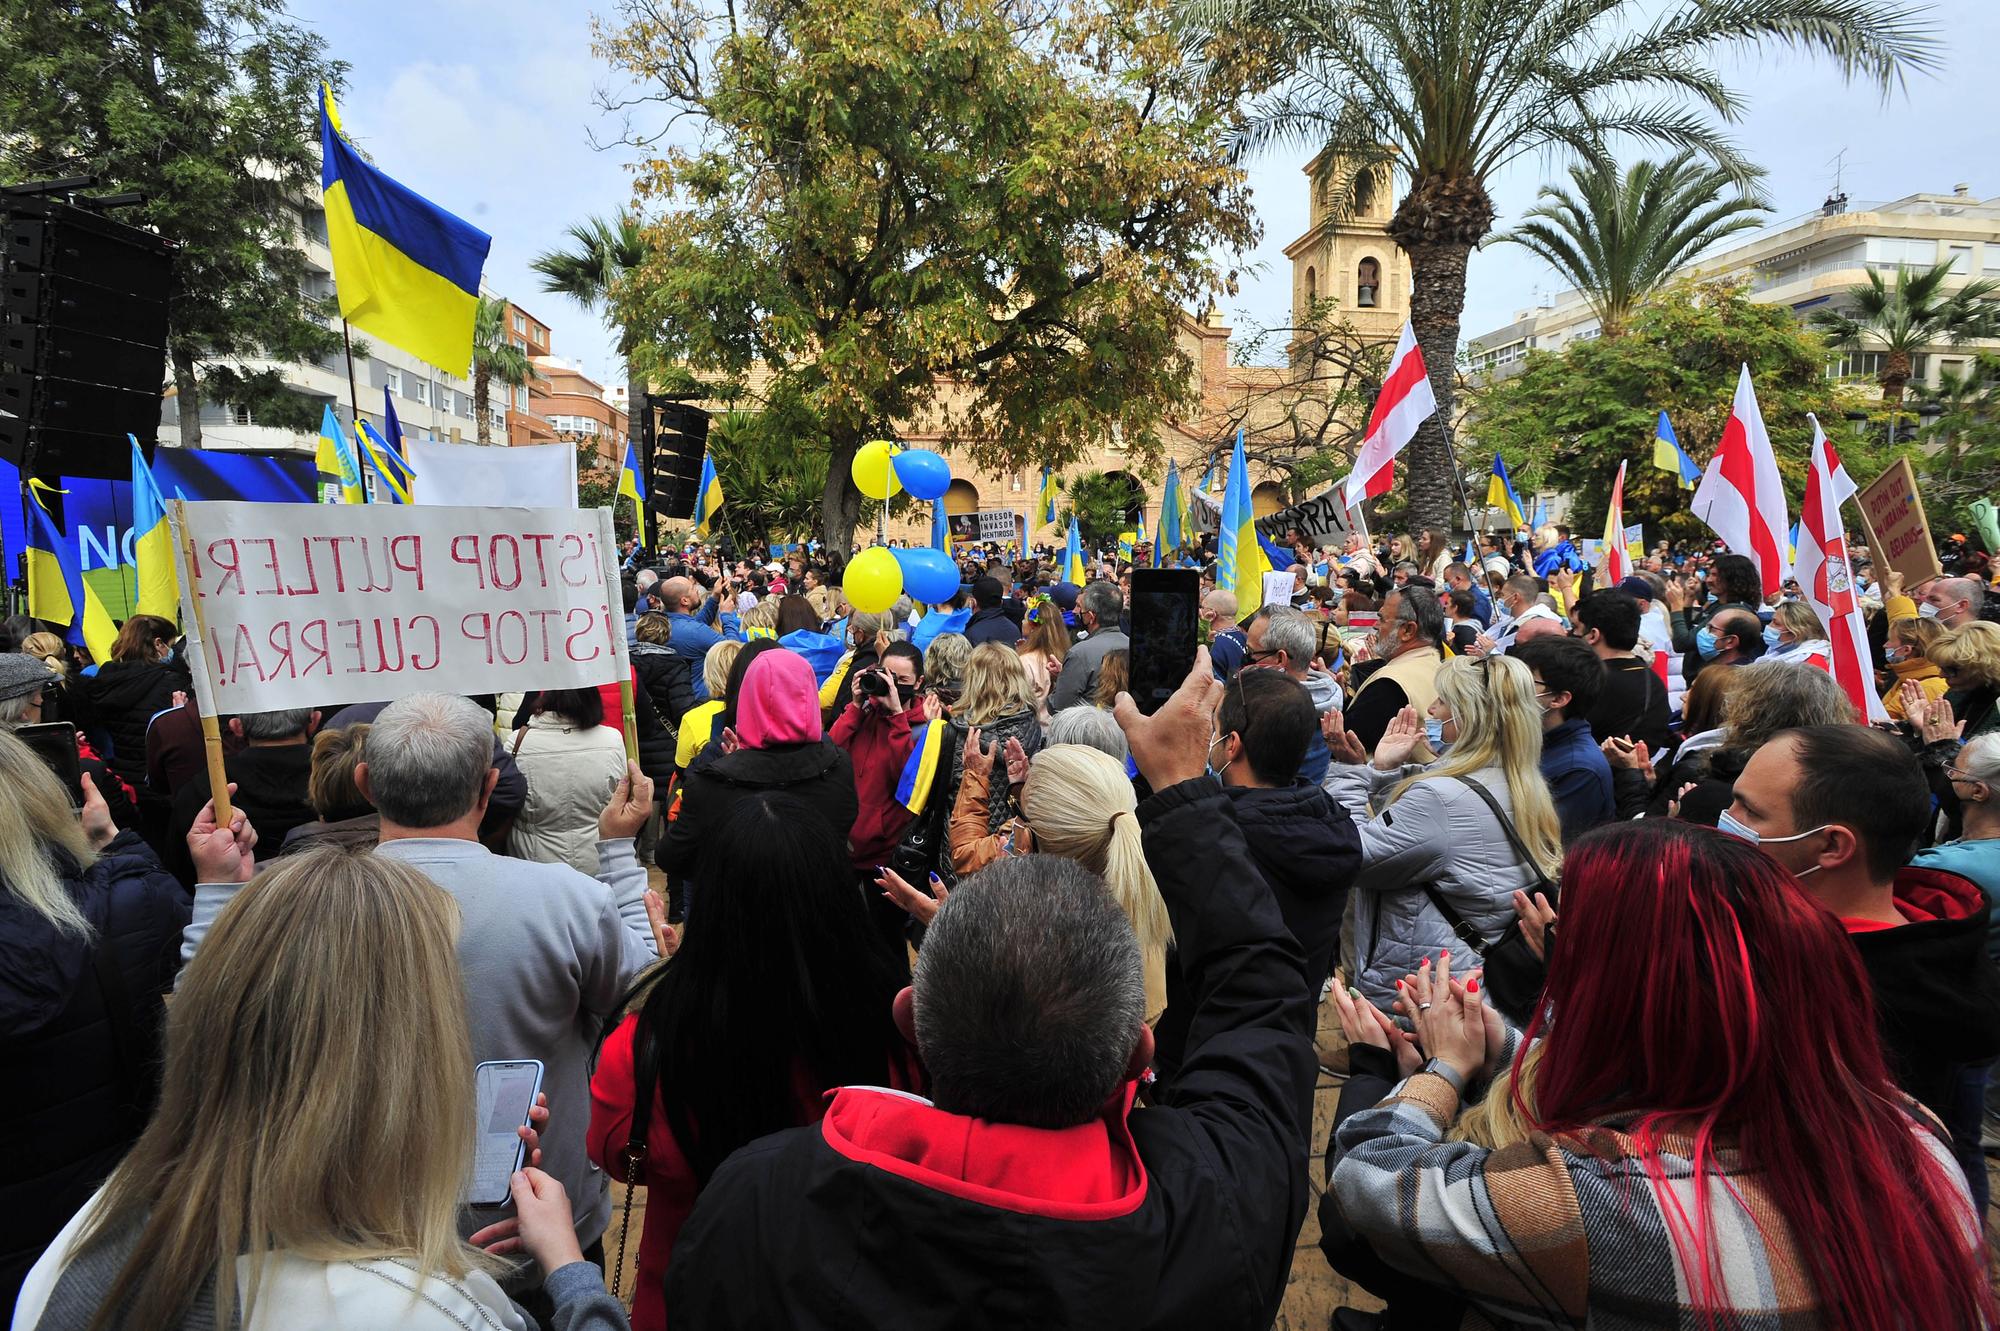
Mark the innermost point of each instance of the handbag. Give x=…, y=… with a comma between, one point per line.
x=1514, y=974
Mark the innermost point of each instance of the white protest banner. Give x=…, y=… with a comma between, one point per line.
x=304, y=605
x=999, y=526
x=530, y=476
x=1277, y=589
x=1322, y=518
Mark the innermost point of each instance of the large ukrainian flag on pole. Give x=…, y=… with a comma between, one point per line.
x=405, y=269
x=1240, y=564
x=632, y=488
x=707, y=497
x=336, y=462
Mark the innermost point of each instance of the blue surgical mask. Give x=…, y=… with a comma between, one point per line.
x=1704, y=642
x=1433, y=733
x=1927, y=610
x=1726, y=822
x=1771, y=641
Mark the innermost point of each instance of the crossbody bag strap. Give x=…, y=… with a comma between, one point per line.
x=1513, y=837
x=1459, y=928
x=645, y=1085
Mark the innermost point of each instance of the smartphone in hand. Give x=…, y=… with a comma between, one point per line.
x=1165, y=625
x=503, y=1093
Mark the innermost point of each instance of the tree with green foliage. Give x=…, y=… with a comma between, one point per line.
x=1570, y=417
x=601, y=252
x=773, y=490
x=1448, y=93
x=495, y=356
x=1959, y=461
x=1100, y=503
x=1623, y=234
x=979, y=215
x=206, y=108
x=1921, y=308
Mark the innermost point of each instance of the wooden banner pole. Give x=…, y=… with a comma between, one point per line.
x=211, y=726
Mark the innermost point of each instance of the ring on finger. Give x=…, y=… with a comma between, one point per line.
x=1423, y=1007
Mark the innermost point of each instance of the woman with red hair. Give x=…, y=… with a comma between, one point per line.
x=1714, y=1138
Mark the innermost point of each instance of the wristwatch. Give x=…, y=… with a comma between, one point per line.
x=1438, y=1067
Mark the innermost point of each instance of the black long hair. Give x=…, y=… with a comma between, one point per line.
x=781, y=981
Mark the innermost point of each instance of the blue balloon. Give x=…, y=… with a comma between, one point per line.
x=928, y=575
x=923, y=473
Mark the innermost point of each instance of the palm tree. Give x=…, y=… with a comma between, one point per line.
x=1903, y=319
x=495, y=357
x=1447, y=93
x=601, y=251
x=1620, y=236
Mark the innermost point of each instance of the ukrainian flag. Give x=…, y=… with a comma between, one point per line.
x=1500, y=494
x=1045, y=506
x=913, y=788
x=405, y=269
x=393, y=476
x=707, y=497
x=152, y=549
x=1668, y=455
x=1169, y=535
x=1128, y=541
x=1073, y=556
x=335, y=461
x=631, y=487
x=55, y=587
x=1240, y=564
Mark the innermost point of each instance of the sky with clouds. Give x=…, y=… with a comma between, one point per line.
x=486, y=107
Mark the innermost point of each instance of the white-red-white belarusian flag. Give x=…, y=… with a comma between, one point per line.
x=1617, y=562
x=1405, y=401
x=1827, y=580
x=1740, y=496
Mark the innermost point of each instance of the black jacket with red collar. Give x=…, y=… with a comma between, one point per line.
x=893, y=1213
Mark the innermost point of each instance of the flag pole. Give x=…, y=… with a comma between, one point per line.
x=353, y=396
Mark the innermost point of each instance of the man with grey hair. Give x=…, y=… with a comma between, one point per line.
x=1403, y=665
x=1282, y=639
x=1097, y=610
x=547, y=952
x=1952, y=601
x=1092, y=727
x=269, y=774
x=1026, y=1191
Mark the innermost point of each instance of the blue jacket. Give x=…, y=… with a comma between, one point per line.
x=1558, y=556
x=689, y=637
x=1978, y=860
x=1579, y=778
x=936, y=622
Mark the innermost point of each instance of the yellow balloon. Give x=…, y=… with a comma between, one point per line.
x=874, y=580
x=874, y=470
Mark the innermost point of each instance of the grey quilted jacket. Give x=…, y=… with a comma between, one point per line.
x=1441, y=834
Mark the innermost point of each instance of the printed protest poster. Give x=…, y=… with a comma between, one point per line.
x=1898, y=532
x=301, y=605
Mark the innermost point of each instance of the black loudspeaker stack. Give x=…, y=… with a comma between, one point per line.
x=83, y=338
x=675, y=438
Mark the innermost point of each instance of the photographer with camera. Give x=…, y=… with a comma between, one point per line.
x=879, y=728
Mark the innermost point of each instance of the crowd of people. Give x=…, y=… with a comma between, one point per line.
x=916, y=977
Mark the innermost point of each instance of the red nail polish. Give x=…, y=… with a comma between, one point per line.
x=1472, y=986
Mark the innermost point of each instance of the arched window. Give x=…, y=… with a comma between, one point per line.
x=1367, y=281
x=1312, y=285
x=1364, y=192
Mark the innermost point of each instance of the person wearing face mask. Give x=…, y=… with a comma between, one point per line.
x=1734, y=636
x=1461, y=832
x=136, y=684
x=1736, y=585
x=1305, y=845
x=1284, y=640
x=1403, y=669
x=1519, y=606
x=1952, y=601
x=1841, y=808
x=1568, y=678
x=1796, y=636
x=1906, y=651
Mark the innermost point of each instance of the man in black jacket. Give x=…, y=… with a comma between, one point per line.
x=1303, y=843
x=1632, y=704
x=1841, y=807
x=990, y=622
x=1026, y=1192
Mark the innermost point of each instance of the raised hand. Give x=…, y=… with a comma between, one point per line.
x=921, y=907
x=1450, y=1021
x=1399, y=742
x=95, y=814
x=1345, y=746
x=978, y=755
x=666, y=938
x=1017, y=762
x=1171, y=745
x=1939, y=724
x=1537, y=918
x=630, y=806
x=1364, y=1023
x=222, y=854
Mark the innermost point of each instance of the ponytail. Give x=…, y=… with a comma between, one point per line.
x=1080, y=805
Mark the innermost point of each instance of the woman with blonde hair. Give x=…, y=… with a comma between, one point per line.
x=1445, y=829
x=314, y=1134
x=79, y=901
x=698, y=725
x=1969, y=656
x=1082, y=807
x=995, y=718
x=1044, y=644
x=1797, y=637
x=1906, y=649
